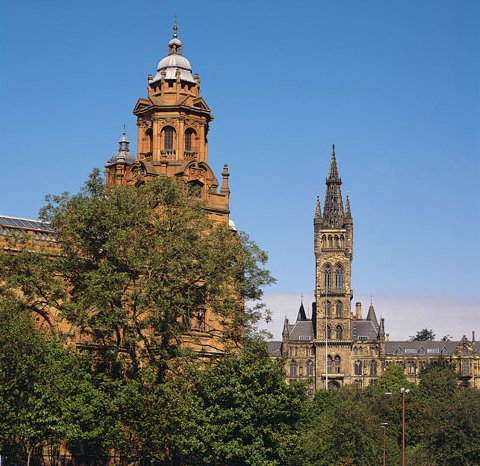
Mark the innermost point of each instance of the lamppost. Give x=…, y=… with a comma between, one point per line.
x=384, y=425
x=404, y=392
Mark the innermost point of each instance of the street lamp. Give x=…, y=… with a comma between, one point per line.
x=404, y=392
x=384, y=425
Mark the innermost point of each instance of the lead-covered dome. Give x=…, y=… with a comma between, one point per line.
x=174, y=62
x=123, y=155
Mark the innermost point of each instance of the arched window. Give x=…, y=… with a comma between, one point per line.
x=328, y=308
x=373, y=368
x=329, y=332
x=293, y=369
x=329, y=364
x=312, y=350
x=339, y=278
x=189, y=138
x=310, y=368
x=195, y=188
x=338, y=309
x=168, y=138
x=201, y=320
x=358, y=367
x=338, y=332
x=411, y=367
x=328, y=277
x=336, y=369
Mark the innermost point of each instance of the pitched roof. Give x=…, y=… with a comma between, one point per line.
x=422, y=348
x=302, y=330
x=274, y=348
x=363, y=330
x=24, y=223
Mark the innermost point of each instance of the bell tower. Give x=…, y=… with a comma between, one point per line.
x=333, y=245
x=173, y=125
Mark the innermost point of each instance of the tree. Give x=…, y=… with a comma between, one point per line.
x=334, y=437
x=134, y=268
x=247, y=413
x=423, y=335
x=46, y=396
x=392, y=380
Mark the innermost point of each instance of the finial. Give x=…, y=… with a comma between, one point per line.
x=175, y=27
x=371, y=299
x=301, y=299
x=333, y=148
x=124, y=132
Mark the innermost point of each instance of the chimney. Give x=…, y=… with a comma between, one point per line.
x=473, y=335
x=358, y=307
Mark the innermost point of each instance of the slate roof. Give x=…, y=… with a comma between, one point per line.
x=363, y=330
x=421, y=348
x=24, y=223
x=274, y=348
x=302, y=330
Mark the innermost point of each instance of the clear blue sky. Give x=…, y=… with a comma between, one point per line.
x=395, y=85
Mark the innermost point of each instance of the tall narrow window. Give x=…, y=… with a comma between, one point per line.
x=329, y=332
x=373, y=368
x=358, y=367
x=189, y=137
x=328, y=277
x=338, y=309
x=310, y=368
x=328, y=308
x=168, y=138
x=329, y=364
x=201, y=320
x=339, y=278
x=293, y=369
x=339, y=332
x=337, y=365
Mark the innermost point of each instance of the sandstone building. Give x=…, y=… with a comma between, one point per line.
x=336, y=346
x=173, y=124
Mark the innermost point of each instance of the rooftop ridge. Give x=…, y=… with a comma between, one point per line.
x=23, y=218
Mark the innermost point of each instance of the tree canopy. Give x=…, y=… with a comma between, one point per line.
x=423, y=335
x=134, y=267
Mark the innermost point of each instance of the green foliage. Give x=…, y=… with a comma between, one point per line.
x=423, y=335
x=392, y=380
x=134, y=263
x=346, y=433
x=248, y=414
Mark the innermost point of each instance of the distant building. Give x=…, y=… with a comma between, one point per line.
x=338, y=346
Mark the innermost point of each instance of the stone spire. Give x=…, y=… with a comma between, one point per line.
x=318, y=212
x=381, y=329
x=333, y=214
x=348, y=212
x=225, y=174
x=286, y=330
x=333, y=172
x=371, y=316
x=301, y=313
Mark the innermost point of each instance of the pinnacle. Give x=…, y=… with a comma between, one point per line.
x=333, y=172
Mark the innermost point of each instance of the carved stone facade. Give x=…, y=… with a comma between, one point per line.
x=173, y=123
x=336, y=346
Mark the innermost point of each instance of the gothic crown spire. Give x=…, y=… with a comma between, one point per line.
x=333, y=171
x=333, y=214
